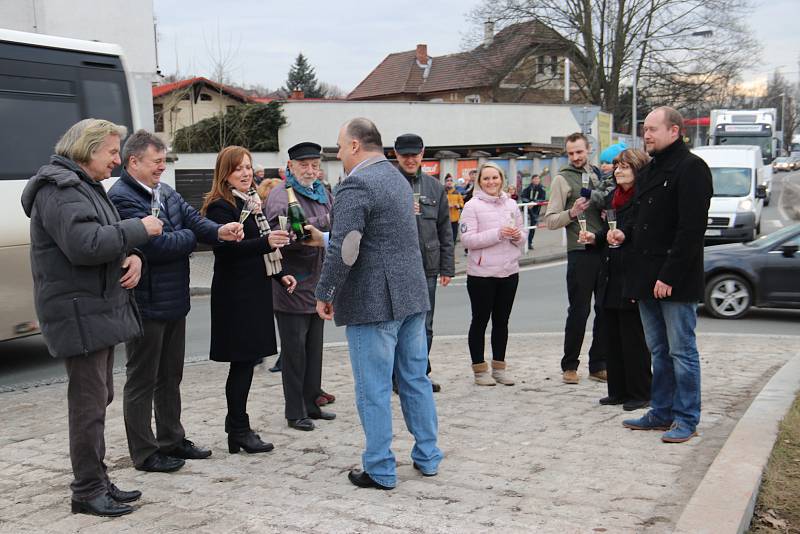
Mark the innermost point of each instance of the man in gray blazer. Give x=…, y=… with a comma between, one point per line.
x=374, y=280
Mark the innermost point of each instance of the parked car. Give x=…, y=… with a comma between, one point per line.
x=764, y=273
x=783, y=163
x=794, y=162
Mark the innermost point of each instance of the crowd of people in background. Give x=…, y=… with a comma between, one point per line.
x=113, y=267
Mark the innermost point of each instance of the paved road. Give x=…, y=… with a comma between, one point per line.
x=540, y=306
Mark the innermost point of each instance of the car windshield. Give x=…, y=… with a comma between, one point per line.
x=769, y=240
x=731, y=181
x=781, y=160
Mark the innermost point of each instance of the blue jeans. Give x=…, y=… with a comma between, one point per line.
x=669, y=330
x=377, y=349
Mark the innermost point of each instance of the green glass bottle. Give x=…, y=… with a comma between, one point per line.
x=297, y=219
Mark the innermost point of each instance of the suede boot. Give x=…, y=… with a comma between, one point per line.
x=500, y=374
x=482, y=376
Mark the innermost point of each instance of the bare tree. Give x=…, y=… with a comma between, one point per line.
x=332, y=91
x=783, y=95
x=615, y=38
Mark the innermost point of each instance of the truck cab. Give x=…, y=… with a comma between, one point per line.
x=738, y=175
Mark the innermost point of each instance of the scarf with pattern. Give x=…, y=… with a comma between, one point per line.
x=252, y=201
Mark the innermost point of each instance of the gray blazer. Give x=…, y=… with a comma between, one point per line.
x=373, y=267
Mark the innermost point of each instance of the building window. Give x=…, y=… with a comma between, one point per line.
x=205, y=98
x=540, y=64
x=554, y=64
x=472, y=99
x=158, y=117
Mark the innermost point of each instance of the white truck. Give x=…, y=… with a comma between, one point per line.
x=748, y=127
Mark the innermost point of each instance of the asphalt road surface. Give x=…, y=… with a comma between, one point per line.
x=540, y=306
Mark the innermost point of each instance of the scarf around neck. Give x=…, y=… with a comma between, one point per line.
x=272, y=260
x=622, y=197
x=316, y=192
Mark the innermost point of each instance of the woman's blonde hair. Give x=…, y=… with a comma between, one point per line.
x=228, y=159
x=85, y=137
x=494, y=166
x=267, y=185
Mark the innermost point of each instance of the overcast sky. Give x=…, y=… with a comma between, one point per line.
x=344, y=40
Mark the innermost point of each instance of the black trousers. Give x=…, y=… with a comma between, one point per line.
x=237, y=390
x=583, y=280
x=629, y=374
x=89, y=392
x=301, y=362
x=490, y=298
x=154, y=373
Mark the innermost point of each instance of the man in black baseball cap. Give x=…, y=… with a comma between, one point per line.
x=433, y=222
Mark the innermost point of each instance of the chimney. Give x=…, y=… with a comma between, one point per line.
x=297, y=94
x=488, y=32
x=422, y=54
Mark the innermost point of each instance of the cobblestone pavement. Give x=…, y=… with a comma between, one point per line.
x=540, y=456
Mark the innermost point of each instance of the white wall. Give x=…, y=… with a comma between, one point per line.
x=439, y=124
x=128, y=23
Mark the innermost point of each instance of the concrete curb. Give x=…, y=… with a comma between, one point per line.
x=546, y=258
x=725, y=498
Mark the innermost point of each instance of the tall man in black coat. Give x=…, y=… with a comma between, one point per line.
x=666, y=250
x=155, y=360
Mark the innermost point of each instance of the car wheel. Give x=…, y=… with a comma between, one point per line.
x=728, y=296
x=766, y=200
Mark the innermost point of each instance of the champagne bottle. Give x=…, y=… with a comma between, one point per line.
x=297, y=219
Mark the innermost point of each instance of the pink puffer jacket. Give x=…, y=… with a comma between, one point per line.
x=489, y=254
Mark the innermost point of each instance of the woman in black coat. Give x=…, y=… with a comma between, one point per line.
x=242, y=330
x=628, y=366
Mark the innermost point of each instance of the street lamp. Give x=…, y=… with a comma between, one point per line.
x=783, y=121
x=640, y=42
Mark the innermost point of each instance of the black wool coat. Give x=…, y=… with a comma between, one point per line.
x=242, y=327
x=672, y=198
x=616, y=267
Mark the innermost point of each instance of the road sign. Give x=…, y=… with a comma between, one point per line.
x=585, y=116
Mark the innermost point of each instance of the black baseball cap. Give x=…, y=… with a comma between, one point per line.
x=408, y=144
x=305, y=150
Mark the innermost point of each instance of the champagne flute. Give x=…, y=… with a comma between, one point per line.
x=282, y=222
x=611, y=218
x=155, y=203
x=246, y=211
x=582, y=222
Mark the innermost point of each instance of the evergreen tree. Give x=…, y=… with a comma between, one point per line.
x=302, y=77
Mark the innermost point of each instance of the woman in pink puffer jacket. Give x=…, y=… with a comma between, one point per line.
x=491, y=229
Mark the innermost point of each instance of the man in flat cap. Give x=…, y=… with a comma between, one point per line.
x=433, y=223
x=298, y=323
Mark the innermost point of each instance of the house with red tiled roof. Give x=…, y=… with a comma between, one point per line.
x=187, y=102
x=523, y=63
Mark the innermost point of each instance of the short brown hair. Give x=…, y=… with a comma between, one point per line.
x=571, y=138
x=672, y=117
x=634, y=158
x=228, y=159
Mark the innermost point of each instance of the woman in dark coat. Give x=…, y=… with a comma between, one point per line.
x=629, y=374
x=242, y=330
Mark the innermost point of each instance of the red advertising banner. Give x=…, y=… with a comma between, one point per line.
x=463, y=166
x=431, y=167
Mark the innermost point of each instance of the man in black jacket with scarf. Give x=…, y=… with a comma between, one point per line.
x=667, y=233
x=155, y=360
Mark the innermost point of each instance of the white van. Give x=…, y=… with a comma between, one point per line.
x=739, y=193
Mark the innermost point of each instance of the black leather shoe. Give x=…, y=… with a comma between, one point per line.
x=161, y=463
x=122, y=495
x=423, y=472
x=631, y=405
x=326, y=416
x=103, y=505
x=301, y=424
x=249, y=441
x=435, y=387
x=607, y=401
x=188, y=451
x=363, y=480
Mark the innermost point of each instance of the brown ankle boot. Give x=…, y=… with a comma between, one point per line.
x=482, y=376
x=500, y=374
